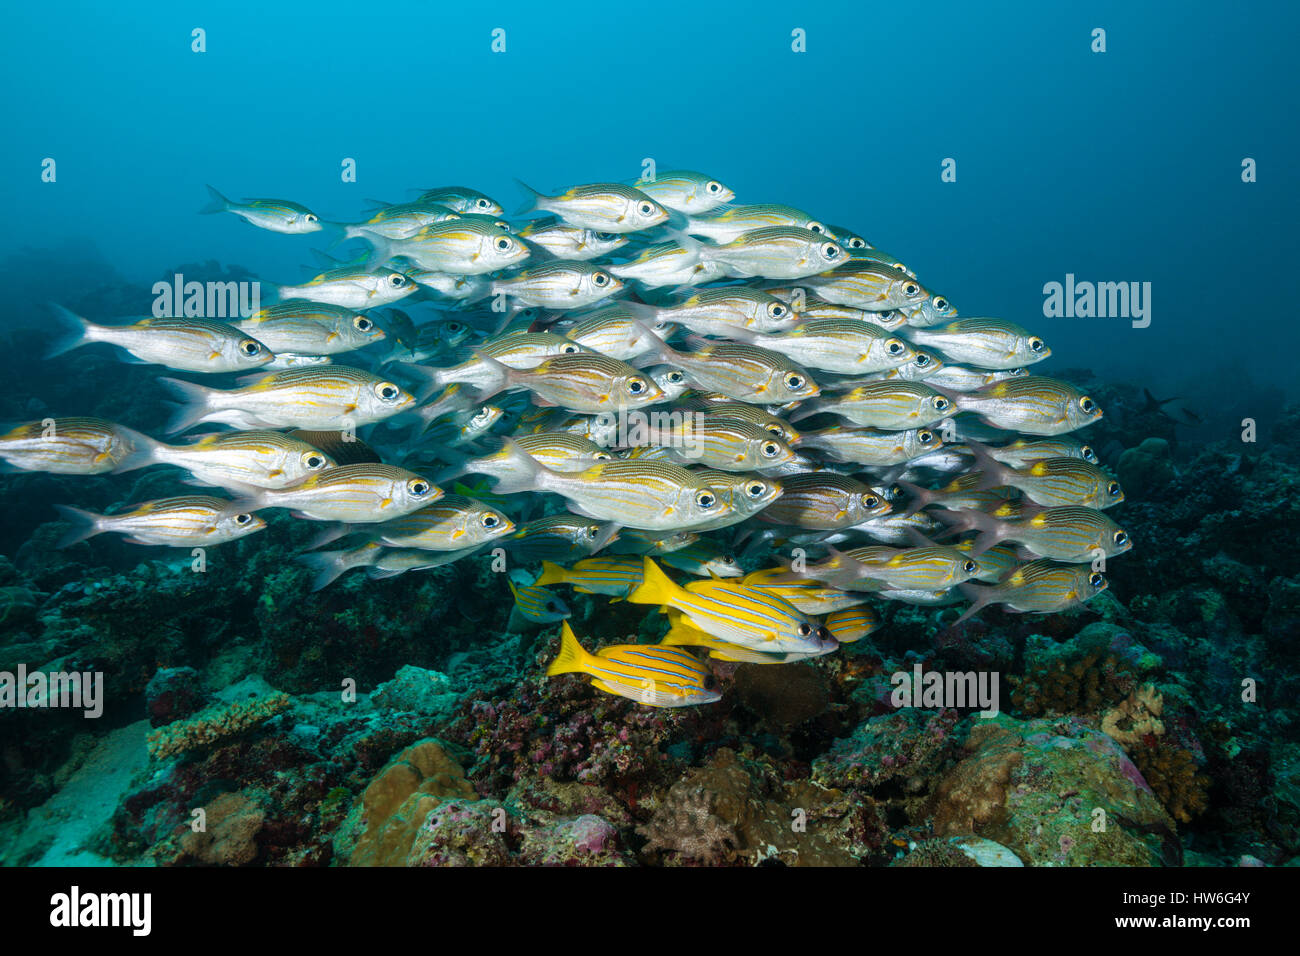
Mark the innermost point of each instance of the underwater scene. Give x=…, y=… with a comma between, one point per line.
x=681, y=436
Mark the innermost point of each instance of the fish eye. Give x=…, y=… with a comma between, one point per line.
x=969, y=566
x=313, y=461
x=454, y=327
x=1121, y=537
x=941, y=404
x=396, y=281
x=636, y=386
x=607, y=236
x=602, y=456
x=1087, y=404
x=362, y=324
x=646, y=209
x=482, y=415
x=600, y=280
x=755, y=489
x=593, y=531
x=922, y=360
x=249, y=347
x=1036, y=344
x=857, y=243
x=773, y=427
x=243, y=518
x=794, y=381
x=1087, y=454
x=911, y=289
x=388, y=391
x=830, y=250
x=676, y=378
x=924, y=436
x=940, y=303
x=871, y=501
x=769, y=449
x=418, y=487
x=483, y=203
x=714, y=186
x=894, y=346
x=569, y=349
x=804, y=629
x=504, y=243
x=1113, y=489
x=1096, y=579
x=777, y=310
x=815, y=226
x=706, y=499
x=490, y=521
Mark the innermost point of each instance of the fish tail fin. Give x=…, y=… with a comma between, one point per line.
x=519, y=471
x=572, y=658
x=382, y=247
x=978, y=595
x=84, y=524
x=328, y=565
x=72, y=331
x=990, y=530
x=552, y=573
x=920, y=497
x=995, y=473
x=655, y=587
x=145, y=451
x=533, y=201
x=328, y=534
x=216, y=203
x=194, y=404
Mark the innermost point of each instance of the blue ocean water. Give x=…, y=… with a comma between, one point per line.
x=1121, y=166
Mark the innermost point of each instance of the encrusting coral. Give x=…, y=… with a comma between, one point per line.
x=214, y=725
x=1136, y=717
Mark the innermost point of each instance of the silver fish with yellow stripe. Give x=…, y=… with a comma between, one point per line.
x=310, y=328
x=321, y=396
x=276, y=215
x=70, y=446
x=186, y=521
x=560, y=285
x=353, y=494
x=825, y=501
x=352, y=287
x=984, y=343
x=1039, y=587
x=686, y=191
x=189, y=345
x=605, y=207
x=1033, y=404
x=237, y=460
x=652, y=496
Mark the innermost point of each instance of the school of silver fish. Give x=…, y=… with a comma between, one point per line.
x=606, y=385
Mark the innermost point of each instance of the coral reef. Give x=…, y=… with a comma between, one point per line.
x=214, y=725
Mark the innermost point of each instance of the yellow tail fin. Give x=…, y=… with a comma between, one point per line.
x=655, y=587
x=571, y=659
x=552, y=573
